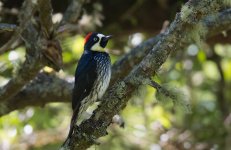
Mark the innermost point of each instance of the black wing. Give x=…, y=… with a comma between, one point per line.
x=85, y=77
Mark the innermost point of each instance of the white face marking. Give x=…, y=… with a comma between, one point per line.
x=96, y=46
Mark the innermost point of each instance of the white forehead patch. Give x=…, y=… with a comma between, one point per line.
x=100, y=35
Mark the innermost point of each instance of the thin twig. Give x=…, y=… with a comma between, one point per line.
x=4, y=27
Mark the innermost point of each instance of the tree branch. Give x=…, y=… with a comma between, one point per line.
x=73, y=11
x=42, y=89
x=215, y=25
x=123, y=66
x=7, y=27
x=71, y=16
x=25, y=15
x=45, y=15
x=17, y=82
x=218, y=24
x=36, y=47
x=52, y=50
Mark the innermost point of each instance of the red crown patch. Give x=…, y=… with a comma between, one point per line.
x=87, y=37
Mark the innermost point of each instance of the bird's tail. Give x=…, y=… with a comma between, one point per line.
x=72, y=124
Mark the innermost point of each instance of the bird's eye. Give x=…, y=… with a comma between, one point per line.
x=95, y=39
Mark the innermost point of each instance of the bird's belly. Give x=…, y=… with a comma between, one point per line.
x=103, y=87
x=103, y=81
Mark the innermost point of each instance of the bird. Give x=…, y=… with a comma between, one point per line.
x=92, y=75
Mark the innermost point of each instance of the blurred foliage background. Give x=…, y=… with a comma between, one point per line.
x=203, y=73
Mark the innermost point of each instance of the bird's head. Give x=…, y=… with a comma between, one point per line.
x=96, y=41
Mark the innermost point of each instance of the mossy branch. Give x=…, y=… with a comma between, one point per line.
x=167, y=93
x=37, y=46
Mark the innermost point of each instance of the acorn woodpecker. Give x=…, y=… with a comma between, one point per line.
x=92, y=75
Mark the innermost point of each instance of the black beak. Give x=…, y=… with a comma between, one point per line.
x=104, y=40
x=108, y=37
